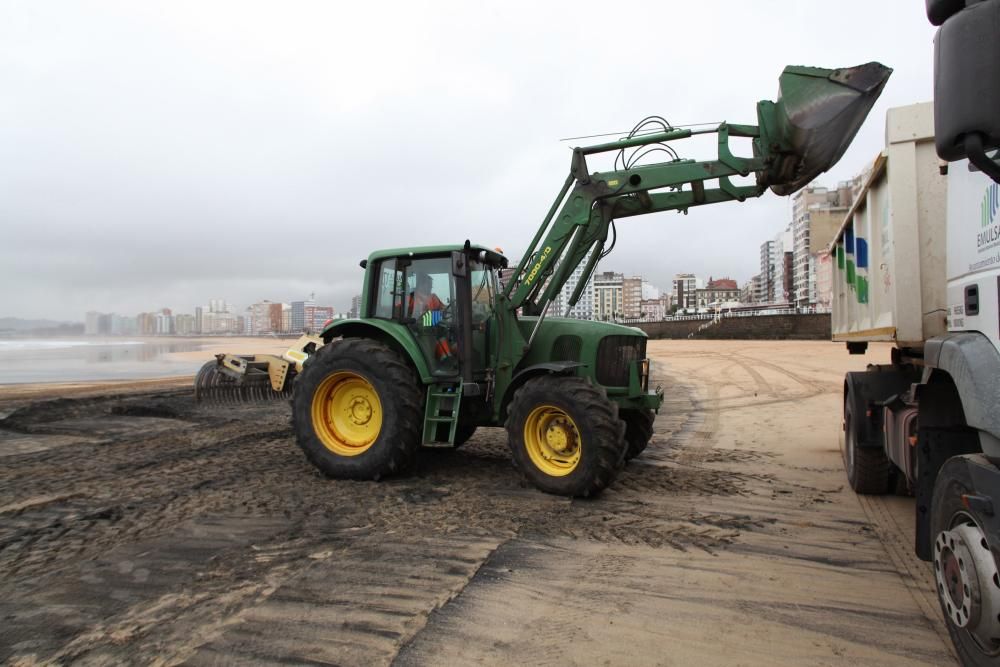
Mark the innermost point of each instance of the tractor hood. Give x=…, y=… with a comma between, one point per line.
x=559, y=326
x=816, y=116
x=562, y=339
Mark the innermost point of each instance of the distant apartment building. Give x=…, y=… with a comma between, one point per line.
x=320, y=315
x=199, y=319
x=122, y=325
x=718, y=293
x=355, y=311
x=584, y=308
x=298, y=316
x=184, y=324
x=217, y=318
x=764, y=287
x=824, y=281
x=784, y=273
x=817, y=213
x=654, y=310
x=686, y=287
x=92, y=324
x=632, y=297
x=146, y=324
x=608, y=296
x=164, y=322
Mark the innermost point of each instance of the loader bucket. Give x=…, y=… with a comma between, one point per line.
x=213, y=385
x=815, y=118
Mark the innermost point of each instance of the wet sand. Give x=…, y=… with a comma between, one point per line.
x=141, y=527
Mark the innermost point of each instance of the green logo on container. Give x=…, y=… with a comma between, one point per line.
x=989, y=205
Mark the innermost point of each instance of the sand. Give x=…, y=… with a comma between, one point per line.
x=164, y=532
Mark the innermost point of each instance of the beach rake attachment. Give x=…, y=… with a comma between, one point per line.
x=231, y=379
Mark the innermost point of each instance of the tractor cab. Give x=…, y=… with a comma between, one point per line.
x=444, y=297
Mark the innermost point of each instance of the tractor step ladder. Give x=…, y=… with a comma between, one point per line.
x=443, y=401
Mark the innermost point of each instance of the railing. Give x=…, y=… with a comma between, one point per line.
x=726, y=314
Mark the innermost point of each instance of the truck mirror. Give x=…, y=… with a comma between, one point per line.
x=967, y=82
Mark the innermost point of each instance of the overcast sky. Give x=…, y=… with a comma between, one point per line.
x=161, y=154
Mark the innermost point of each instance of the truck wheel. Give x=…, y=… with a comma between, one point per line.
x=968, y=584
x=565, y=435
x=638, y=430
x=357, y=410
x=867, y=468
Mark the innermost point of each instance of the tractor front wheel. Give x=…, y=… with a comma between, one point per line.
x=565, y=435
x=638, y=430
x=357, y=410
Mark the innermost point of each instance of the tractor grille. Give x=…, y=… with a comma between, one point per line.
x=615, y=355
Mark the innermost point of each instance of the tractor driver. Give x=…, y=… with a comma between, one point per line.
x=422, y=299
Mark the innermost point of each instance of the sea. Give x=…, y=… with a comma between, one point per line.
x=26, y=360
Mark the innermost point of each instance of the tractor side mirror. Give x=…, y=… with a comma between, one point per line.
x=459, y=264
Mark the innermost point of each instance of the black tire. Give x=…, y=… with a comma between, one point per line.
x=398, y=391
x=947, y=511
x=638, y=430
x=601, y=444
x=867, y=468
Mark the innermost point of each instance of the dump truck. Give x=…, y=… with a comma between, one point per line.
x=441, y=348
x=917, y=264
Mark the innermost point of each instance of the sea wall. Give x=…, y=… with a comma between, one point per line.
x=760, y=327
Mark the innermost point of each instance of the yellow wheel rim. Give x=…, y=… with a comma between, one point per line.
x=346, y=413
x=552, y=440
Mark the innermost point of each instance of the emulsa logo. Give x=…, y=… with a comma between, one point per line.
x=987, y=217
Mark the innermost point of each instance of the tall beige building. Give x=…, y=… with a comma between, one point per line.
x=632, y=297
x=609, y=302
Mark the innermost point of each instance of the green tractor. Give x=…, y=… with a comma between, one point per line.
x=444, y=346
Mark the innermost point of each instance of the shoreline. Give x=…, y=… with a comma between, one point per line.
x=208, y=348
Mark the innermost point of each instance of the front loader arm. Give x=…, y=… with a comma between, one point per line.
x=579, y=233
x=802, y=134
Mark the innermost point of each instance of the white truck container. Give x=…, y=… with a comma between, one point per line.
x=889, y=254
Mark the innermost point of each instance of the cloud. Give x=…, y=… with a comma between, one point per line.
x=161, y=154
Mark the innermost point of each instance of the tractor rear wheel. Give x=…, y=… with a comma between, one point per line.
x=357, y=410
x=464, y=432
x=638, y=430
x=565, y=435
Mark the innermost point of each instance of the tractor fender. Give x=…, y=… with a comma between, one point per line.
x=973, y=364
x=386, y=332
x=525, y=374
